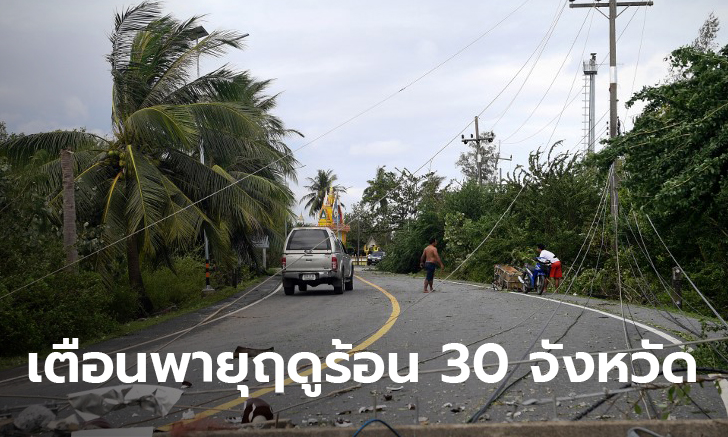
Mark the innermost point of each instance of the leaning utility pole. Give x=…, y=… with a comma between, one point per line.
x=613, y=5
x=478, y=154
x=478, y=150
x=497, y=166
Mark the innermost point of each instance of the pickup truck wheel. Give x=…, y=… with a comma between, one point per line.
x=339, y=286
x=349, y=285
x=288, y=287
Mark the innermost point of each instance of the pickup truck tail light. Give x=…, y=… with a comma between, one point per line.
x=283, y=262
x=334, y=263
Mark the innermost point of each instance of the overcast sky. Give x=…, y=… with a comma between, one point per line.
x=331, y=60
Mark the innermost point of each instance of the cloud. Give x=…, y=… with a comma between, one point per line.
x=333, y=60
x=379, y=148
x=75, y=109
x=352, y=196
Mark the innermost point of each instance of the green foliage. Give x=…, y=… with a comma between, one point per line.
x=392, y=200
x=147, y=179
x=706, y=35
x=675, y=163
x=178, y=287
x=556, y=207
x=479, y=160
x=182, y=286
x=318, y=188
x=69, y=305
x=676, y=157
x=403, y=255
x=3, y=132
x=81, y=305
x=713, y=355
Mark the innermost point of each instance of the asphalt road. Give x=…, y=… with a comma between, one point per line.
x=389, y=314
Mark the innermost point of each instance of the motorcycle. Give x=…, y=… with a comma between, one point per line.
x=534, y=277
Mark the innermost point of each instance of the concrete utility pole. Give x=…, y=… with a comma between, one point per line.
x=590, y=73
x=498, y=158
x=478, y=150
x=612, y=5
x=478, y=153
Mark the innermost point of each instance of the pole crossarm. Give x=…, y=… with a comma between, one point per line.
x=606, y=5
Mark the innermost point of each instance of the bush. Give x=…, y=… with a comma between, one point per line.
x=72, y=305
x=184, y=284
x=166, y=287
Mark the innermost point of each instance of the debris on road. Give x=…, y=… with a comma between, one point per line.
x=188, y=414
x=256, y=410
x=186, y=384
x=99, y=423
x=92, y=404
x=395, y=388
x=342, y=423
x=411, y=407
x=33, y=418
x=370, y=409
x=67, y=424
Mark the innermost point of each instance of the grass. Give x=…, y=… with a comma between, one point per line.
x=189, y=305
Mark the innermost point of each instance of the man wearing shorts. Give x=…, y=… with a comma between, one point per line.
x=429, y=260
x=555, y=271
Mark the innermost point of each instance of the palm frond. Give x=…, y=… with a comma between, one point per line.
x=126, y=26
x=50, y=177
x=147, y=200
x=187, y=221
x=162, y=126
x=230, y=118
x=20, y=150
x=180, y=53
x=113, y=221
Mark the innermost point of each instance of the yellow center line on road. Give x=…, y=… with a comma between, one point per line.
x=361, y=346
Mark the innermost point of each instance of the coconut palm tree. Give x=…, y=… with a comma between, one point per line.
x=145, y=185
x=318, y=188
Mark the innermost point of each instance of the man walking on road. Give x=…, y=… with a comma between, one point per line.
x=555, y=271
x=429, y=260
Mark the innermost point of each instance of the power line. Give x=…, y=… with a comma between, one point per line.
x=553, y=80
x=544, y=42
x=286, y=155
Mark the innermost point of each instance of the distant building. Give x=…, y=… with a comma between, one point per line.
x=371, y=246
x=332, y=216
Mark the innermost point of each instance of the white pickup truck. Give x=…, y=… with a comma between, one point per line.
x=314, y=256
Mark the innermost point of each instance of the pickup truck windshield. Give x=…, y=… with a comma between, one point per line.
x=309, y=239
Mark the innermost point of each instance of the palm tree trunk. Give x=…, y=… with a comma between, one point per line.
x=135, y=274
x=69, y=209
